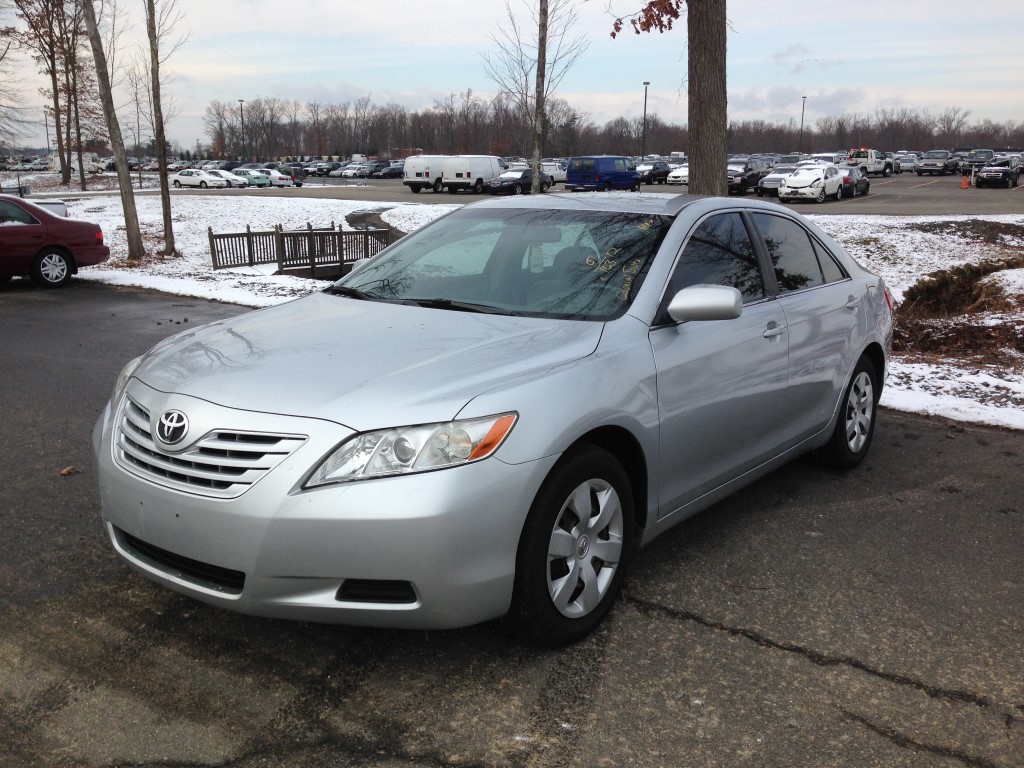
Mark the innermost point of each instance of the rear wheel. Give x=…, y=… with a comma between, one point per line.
x=607, y=186
x=839, y=193
x=202, y=185
x=437, y=186
x=414, y=188
x=575, y=548
x=177, y=184
x=856, y=425
x=478, y=186
x=51, y=269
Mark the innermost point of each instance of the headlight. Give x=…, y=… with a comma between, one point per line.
x=406, y=450
x=122, y=378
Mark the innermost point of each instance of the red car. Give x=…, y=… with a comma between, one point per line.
x=47, y=247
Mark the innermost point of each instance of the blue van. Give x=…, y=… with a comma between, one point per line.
x=602, y=172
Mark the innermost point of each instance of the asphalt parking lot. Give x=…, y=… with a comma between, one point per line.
x=901, y=194
x=815, y=619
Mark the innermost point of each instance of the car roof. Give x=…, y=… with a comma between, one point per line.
x=626, y=202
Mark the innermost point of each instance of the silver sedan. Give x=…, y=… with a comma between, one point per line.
x=495, y=414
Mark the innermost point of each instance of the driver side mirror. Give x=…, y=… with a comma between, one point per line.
x=706, y=302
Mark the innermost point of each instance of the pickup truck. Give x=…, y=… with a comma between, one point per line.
x=870, y=161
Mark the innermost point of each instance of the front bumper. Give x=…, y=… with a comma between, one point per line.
x=447, y=538
x=799, y=193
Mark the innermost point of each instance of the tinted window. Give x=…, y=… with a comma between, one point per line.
x=12, y=215
x=789, y=247
x=720, y=252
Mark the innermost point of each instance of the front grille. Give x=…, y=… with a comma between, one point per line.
x=204, y=574
x=223, y=463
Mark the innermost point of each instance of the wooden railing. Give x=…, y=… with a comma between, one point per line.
x=311, y=252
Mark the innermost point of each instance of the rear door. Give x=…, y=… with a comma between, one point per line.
x=825, y=314
x=22, y=235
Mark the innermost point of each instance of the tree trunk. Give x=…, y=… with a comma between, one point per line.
x=158, y=128
x=136, y=248
x=709, y=154
x=538, y=104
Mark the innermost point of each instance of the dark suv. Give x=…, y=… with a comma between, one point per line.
x=376, y=165
x=976, y=160
x=653, y=171
x=744, y=173
x=1000, y=171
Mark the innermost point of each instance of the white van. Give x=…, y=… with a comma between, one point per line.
x=423, y=172
x=470, y=172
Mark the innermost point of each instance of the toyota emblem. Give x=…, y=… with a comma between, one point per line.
x=172, y=427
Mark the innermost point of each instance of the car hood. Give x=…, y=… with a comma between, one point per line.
x=796, y=181
x=360, y=363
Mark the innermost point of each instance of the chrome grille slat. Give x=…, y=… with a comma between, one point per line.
x=222, y=463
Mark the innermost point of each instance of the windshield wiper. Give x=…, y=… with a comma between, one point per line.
x=351, y=293
x=461, y=306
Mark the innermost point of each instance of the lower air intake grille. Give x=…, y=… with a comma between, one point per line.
x=376, y=591
x=206, y=575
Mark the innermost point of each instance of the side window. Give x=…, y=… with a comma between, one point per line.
x=832, y=271
x=12, y=215
x=720, y=252
x=789, y=247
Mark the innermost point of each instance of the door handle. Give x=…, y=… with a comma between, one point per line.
x=852, y=303
x=774, y=329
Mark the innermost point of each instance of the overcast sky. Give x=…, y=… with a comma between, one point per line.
x=844, y=57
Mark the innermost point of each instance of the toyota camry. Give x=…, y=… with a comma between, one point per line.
x=494, y=415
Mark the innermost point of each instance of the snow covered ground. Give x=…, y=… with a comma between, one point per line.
x=885, y=244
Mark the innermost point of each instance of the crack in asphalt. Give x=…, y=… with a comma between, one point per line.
x=906, y=742
x=817, y=657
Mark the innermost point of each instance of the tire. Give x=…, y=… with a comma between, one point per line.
x=920, y=173
x=635, y=187
x=607, y=186
x=867, y=188
x=437, y=186
x=839, y=193
x=821, y=196
x=202, y=185
x=52, y=268
x=855, y=427
x=177, y=184
x=415, y=189
x=575, y=548
x=517, y=189
x=887, y=171
x=544, y=186
x=478, y=186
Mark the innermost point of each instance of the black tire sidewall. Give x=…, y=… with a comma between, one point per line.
x=837, y=453
x=37, y=272
x=536, y=617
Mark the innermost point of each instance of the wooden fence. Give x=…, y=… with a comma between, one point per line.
x=318, y=253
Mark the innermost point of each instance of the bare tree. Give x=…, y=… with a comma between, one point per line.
x=529, y=67
x=136, y=248
x=12, y=119
x=707, y=99
x=161, y=19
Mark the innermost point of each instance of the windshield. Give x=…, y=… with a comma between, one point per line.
x=980, y=154
x=512, y=175
x=581, y=265
x=935, y=155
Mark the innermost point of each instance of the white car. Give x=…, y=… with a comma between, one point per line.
x=680, y=175
x=812, y=182
x=193, y=177
x=277, y=179
x=233, y=180
x=555, y=170
x=354, y=171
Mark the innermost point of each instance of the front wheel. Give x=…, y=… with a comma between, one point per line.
x=856, y=424
x=177, y=184
x=202, y=185
x=575, y=548
x=821, y=196
x=51, y=269
x=839, y=193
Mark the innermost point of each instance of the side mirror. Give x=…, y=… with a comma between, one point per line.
x=358, y=264
x=706, y=302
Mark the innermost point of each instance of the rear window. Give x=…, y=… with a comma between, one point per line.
x=581, y=164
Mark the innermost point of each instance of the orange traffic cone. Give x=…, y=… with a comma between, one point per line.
x=966, y=183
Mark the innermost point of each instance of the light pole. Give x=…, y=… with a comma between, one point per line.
x=643, y=136
x=803, y=105
x=241, y=116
